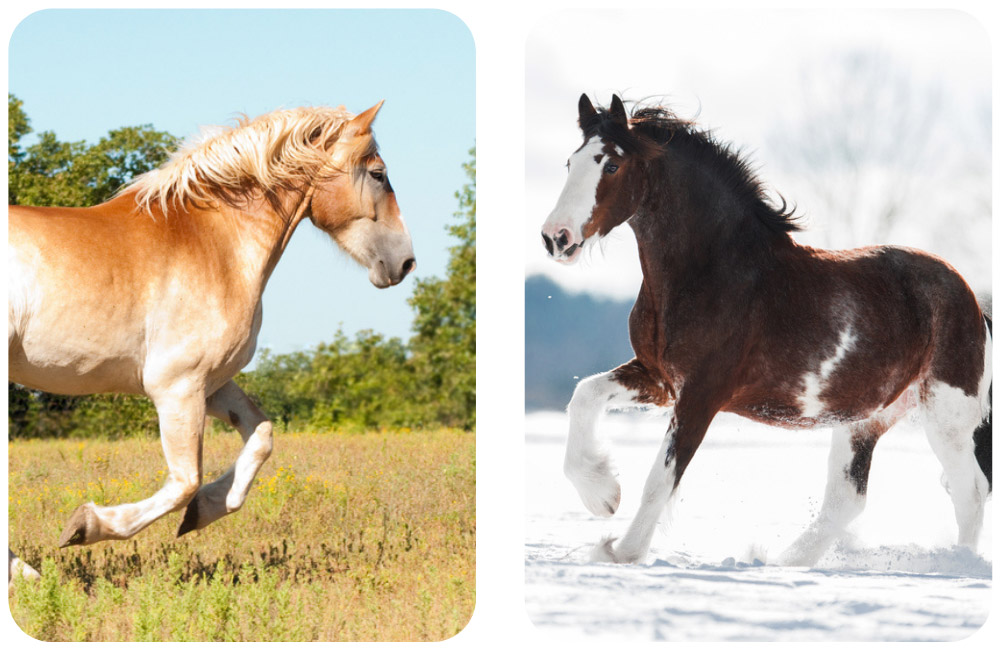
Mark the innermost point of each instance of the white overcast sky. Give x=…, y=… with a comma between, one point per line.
x=739, y=71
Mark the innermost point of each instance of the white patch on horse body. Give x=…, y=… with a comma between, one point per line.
x=815, y=382
x=579, y=196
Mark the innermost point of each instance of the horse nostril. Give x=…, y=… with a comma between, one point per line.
x=562, y=239
x=548, y=243
x=409, y=265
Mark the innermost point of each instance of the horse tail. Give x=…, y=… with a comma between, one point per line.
x=982, y=437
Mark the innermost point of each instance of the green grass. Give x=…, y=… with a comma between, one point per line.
x=343, y=537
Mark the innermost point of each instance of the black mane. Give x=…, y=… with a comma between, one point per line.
x=652, y=129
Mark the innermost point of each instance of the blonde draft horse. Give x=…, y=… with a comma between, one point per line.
x=157, y=292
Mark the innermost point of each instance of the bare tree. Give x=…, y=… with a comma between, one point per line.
x=861, y=142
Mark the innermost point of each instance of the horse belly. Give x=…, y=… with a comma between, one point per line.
x=72, y=363
x=61, y=344
x=833, y=392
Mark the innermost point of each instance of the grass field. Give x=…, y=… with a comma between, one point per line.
x=344, y=537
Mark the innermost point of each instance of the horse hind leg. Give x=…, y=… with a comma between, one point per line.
x=952, y=422
x=982, y=437
x=227, y=493
x=17, y=566
x=846, y=484
x=588, y=463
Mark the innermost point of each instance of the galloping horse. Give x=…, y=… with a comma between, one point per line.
x=158, y=291
x=733, y=315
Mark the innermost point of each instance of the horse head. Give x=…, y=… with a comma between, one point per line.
x=357, y=206
x=605, y=183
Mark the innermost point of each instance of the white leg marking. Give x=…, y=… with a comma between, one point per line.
x=815, y=382
x=950, y=418
x=17, y=566
x=228, y=493
x=656, y=495
x=986, y=381
x=587, y=464
x=841, y=504
x=182, y=419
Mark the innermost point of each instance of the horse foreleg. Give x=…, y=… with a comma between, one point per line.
x=687, y=430
x=588, y=464
x=846, y=487
x=181, y=413
x=227, y=493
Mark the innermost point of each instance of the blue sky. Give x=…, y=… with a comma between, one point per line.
x=82, y=73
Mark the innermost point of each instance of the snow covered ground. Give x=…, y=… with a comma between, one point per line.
x=710, y=574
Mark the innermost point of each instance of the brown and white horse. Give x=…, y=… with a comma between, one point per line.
x=158, y=291
x=733, y=315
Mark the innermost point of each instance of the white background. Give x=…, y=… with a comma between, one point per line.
x=500, y=31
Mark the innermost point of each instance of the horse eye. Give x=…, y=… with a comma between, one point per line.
x=610, y=168
x=378, y=175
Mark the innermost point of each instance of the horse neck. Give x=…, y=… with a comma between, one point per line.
x=259, y=233
x=277, y=220
x=692, y=224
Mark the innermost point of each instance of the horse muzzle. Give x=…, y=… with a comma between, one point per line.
x=384, y=273
x=562, y=245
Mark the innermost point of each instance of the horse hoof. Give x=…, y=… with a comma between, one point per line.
x=81, y=528
x=605, y=552
x=602, y=496
x=190, y=521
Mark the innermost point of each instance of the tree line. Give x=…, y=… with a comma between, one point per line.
x=358, y=382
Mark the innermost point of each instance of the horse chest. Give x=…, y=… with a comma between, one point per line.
x=650, y=335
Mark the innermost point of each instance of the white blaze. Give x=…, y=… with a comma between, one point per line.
x=579, y=196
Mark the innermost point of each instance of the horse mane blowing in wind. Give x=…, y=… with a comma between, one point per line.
x=733, y=315
x=158, y=291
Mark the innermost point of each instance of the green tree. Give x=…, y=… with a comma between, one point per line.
x=75, y=174
x=444, y=325
x=18, y=126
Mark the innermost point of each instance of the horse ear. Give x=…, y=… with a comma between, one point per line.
x=362, y=123
x=618, y=110
x=586, y=109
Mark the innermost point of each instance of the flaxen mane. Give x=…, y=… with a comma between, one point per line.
x=256, y=157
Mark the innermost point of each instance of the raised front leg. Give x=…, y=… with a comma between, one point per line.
x=687, y=429
x=227, y=493
x=588, y=464
x=181, y=411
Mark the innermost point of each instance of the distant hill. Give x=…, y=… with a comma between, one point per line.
x=568, y=337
